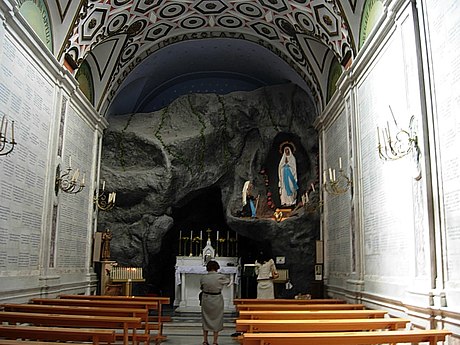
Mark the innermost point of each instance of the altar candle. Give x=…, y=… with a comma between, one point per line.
x=217, y=235
x=313, y=187
x=3, y=121
x=75, y=175
x=330, y=174
x=306, y=197
x=201, y=234
x=333, y=174
x=83, y=179
x=340, y=162
x=324, y=176
x=103, y=185
x=180, y=234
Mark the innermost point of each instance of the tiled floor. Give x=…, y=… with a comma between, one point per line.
x=186, y=329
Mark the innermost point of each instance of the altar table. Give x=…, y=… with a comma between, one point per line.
x=189, y=270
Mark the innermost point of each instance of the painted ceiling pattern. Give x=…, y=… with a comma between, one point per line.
x=288, y=28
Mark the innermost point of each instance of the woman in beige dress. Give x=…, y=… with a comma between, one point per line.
x=212, y=302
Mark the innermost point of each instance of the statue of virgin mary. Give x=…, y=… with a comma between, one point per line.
x=287, y=173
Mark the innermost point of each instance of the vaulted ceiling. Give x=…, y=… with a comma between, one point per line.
x=143, y=53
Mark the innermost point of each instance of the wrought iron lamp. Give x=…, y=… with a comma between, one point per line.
x=69, y=181
x=6, y=146
x=401, y=144
x=336, y=185
x=104, y=200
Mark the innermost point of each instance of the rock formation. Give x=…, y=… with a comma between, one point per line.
x=160, y=162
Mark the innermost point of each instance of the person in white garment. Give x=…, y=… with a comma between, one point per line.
x=265, y=270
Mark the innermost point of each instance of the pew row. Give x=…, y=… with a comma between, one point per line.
x=310, y=314
x=95, y=336
x=238, y=301
x=150, y=305
x=300, y=307
x=329, y=325
x=159, y=319
x=31, y=342
x=143, y=314
x=129, y=325
x=346, y=338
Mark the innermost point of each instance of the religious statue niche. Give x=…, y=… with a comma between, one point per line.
x=286, y=172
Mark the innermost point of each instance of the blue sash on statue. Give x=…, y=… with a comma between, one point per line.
x=288, y=177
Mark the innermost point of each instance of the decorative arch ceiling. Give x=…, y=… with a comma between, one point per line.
x=119, y=37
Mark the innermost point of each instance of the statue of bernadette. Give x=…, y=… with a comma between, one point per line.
x=249, y=201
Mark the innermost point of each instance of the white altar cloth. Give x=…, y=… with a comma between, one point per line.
x=188, y=274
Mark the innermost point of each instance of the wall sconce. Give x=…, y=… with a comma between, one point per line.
x=336, y=185
x=5, y=146
x=104, y=201
x=393, y=148
x=69, y=181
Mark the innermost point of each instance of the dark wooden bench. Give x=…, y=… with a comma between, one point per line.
x=346, y=338
x=310, y=314
x=129, y=325
x=238, y=301
x=267, y=326
x=300, y=306
x=96, y=336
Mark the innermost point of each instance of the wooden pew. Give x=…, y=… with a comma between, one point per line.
x=76, y=310
x=238, y=301
x=97, y=303
x=96, y=336
x=329, y=325
x=82, y=321
x=159, y=299
x=346, y=338
x=300, y=307
x=31, y=342
x=310, y=314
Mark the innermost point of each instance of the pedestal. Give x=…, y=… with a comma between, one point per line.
x=106, y=267
x=128, y=285
x=188, y=273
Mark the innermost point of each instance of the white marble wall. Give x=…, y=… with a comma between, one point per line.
x=407, y=214
x=36, y=257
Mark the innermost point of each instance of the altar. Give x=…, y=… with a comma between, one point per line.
x=189, y=270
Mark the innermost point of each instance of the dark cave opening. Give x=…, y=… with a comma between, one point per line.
x=202, y=211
